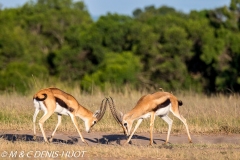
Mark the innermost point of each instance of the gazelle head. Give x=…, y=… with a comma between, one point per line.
x=123, y=120
x=127, y=125
x=95, y=117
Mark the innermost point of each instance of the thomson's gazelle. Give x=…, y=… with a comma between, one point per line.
x=151, y=105
x=52, y=100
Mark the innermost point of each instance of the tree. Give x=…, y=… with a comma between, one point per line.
x=115, y=37
x=116, y=69
x=18, y=76
x=72, y=64
x=164, y=49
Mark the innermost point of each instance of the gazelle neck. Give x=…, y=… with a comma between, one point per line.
x=136, y=112
x=83, y=113
x=131, y=115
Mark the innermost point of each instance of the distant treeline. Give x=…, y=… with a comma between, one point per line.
x=153, y=48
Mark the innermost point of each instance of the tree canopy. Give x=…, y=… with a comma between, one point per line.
x=155, y=47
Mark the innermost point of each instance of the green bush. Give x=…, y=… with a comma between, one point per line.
x=117, y=69
x=18, y=76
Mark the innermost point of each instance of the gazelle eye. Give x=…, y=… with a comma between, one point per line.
x=94, y=122
x=125, y=124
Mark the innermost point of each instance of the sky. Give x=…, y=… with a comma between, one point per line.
x=102, y=7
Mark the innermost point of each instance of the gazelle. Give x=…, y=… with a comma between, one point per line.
x=151, y=105
x=52, y=100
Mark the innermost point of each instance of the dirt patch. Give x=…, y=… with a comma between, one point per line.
x=95, y=138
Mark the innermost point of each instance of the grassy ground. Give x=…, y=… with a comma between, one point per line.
x=204, y=114
x=60, y=151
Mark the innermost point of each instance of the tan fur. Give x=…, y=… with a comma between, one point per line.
x=67, y=98
x=149, y=104
x=51, y=96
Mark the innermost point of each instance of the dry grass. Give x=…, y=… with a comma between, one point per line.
x=204, y=114
x=187, y=151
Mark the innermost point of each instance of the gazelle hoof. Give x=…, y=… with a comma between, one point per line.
x=150, y=144
x=165, y=143
x=86, y=143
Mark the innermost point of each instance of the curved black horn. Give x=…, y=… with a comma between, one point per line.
x=102, y=110
x=117, y=116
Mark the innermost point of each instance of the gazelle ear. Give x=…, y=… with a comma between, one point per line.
x=96, y=113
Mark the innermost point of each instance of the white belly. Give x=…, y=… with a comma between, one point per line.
x=160, y=112
x=163, y=111
x=59, y=109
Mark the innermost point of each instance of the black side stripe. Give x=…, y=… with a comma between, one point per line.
x=162, y=105
x=63, y=104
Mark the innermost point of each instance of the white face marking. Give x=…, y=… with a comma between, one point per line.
x=87, y=126
x=125, y=125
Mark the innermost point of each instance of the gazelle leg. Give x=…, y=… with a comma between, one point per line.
x=76, y=126
x=58, y=124
x=151, y=128
x=34, y=122
x=185, y=123
x=41, y=122
x=169, y=122
x=136, y=126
